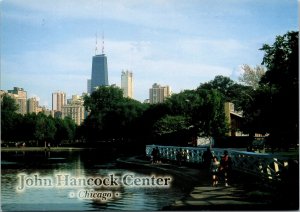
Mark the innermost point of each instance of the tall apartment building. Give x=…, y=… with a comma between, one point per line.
x=74, y=109
x=127, y=83
x=58, y=100
x=158, y=93
x=99, y=72
x=89, y=86
x=33, y=105
x=21, y=97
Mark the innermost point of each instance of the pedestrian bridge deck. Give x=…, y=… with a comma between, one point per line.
x=243, y=192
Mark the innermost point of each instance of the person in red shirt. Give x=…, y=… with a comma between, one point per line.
x=225, y=167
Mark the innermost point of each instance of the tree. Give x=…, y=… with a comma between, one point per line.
x=282, y=62
x=202, y=108
x=173, y=129
x=275, y=104
x=229, y=90
x=258, y=116
x=101, y=104
x=208, y=114
x=222, y=84
x=180, y=104
x=103, y=99
x=151, y=114
x=28, y=127
x=65, y=129
x=9, y=117
x=8, y=104
x=111, y=115
x=45, y=129
x=171, y=124
x=252, y=76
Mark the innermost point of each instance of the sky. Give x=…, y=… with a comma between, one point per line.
x=48, y=45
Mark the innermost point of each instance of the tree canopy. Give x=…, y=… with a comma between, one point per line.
x=252, y=76
x=111, y=115
x=274, y=107
x=33, y=127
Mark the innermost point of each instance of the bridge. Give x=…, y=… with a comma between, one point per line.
x=262, y=165
x=259, y=181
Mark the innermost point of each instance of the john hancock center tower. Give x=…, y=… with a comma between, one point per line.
x=99, y=71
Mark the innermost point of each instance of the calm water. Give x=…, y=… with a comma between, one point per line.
x=77, y=164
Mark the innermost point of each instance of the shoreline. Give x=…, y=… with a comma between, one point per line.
x=184, y=174
x=42, y=149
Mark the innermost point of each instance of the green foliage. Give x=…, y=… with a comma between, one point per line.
x=33, y=127
x=282, y=61
x=28, y=127
x=257, y=111
x=111, y=115
x=8, y=104
x=252, y=76
x=171, y=124
x=229, y=90
x=45, y=129
x=65, y=129
x=9, y=117
x=208, y=113
x=104, y=99
x=274, y=107
x=201, y=111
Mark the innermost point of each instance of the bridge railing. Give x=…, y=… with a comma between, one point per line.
x=262, y=165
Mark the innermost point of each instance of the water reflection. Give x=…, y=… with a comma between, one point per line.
x=77, y=164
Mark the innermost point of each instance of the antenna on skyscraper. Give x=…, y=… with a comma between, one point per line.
x=101, y=8
x=102, y=42
x=96, y=48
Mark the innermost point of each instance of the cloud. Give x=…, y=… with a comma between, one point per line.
x=157, y=14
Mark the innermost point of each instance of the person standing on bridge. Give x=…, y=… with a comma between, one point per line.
x=225, y=167
x=155, y=155
x=206, y=158
x=214, y=168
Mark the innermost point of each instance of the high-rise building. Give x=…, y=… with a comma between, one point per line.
x=89, y=86
x=127, y=84
x=33, y=105
x=74, y=109
x=21, y=97
x=158, y=93
x=58, y=100
x=99, y=72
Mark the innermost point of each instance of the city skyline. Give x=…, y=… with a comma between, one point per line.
x=48, y=46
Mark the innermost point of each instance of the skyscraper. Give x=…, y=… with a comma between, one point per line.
x=74, y=109
x=127, y=84
x=32, y=105
x=58, y=100
x=99, y=72
x=158, y=93
x=89, y=86
x=21, y=97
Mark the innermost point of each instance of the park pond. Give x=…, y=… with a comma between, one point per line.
x=80, y=181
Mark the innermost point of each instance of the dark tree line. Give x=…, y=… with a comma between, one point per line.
x=181, y=118
x=34, y=129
